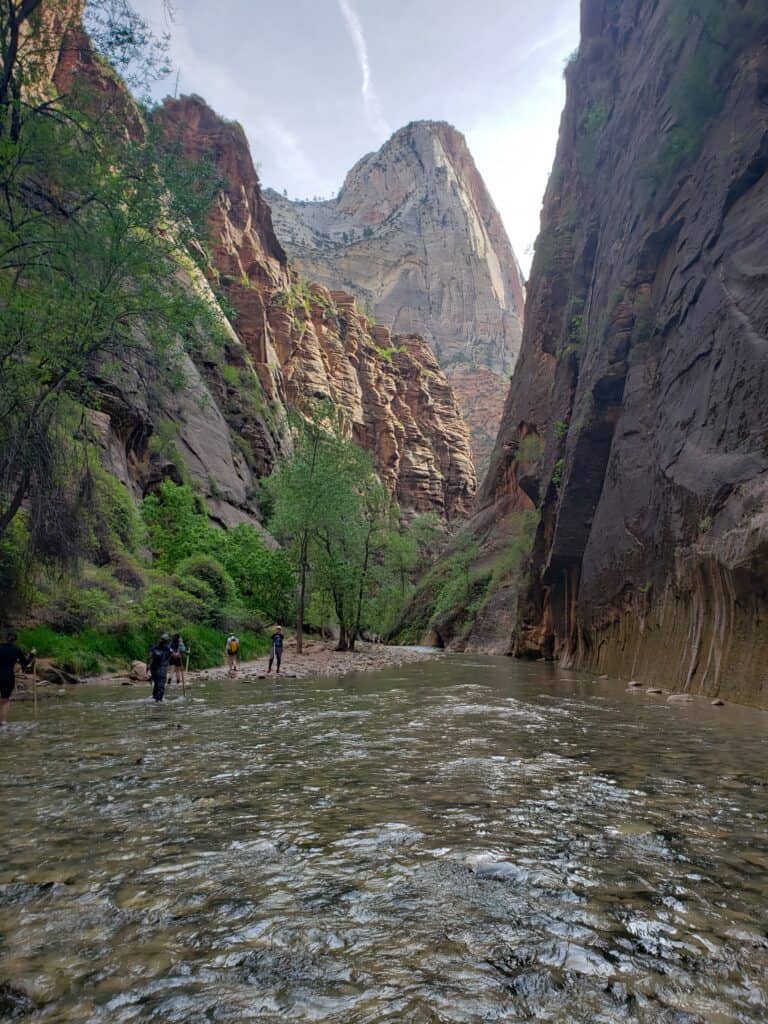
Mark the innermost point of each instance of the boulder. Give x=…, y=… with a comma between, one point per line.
x=58, y=676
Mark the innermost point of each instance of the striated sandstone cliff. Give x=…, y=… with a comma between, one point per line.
x=394, y=396
x=638, y=414
x=415, y=233
x=223, y=425
x=306, y=343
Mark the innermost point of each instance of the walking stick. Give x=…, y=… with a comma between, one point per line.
x=34, y=681
x=184, y=674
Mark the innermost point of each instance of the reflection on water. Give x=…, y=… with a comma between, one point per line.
x=463, y=840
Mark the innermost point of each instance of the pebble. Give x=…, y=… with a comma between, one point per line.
x=634, y=682
x=680, y=697
x=654, y=690
x=718, y=703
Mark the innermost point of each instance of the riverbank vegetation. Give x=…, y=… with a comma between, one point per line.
x=101, y=278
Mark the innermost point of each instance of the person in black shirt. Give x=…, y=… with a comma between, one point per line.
x=276, y=653
x=157, y=666
x=10, y=655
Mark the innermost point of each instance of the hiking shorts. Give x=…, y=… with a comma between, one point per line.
x=7, y=687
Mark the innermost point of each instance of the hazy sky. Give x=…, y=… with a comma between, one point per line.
x=319, y=83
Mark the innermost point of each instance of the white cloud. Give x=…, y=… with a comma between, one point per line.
x=376, y=119
x=230, y=96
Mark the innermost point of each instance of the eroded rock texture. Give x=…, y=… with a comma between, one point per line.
x=638, y=412
x=415, y=234
x=306, y=343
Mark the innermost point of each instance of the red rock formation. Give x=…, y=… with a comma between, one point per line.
x=414, y=232
x=307, y=343
x=394, y=396
x=643, y=373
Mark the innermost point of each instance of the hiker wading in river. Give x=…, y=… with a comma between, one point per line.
x=157, y=666
x=233, y=653
x=178, y=650
x=10, y=656
x=276, y=651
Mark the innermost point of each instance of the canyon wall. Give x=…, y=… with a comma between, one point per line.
x=414, y=233
x=638, y=414
x=307, y=343
x=217, y=412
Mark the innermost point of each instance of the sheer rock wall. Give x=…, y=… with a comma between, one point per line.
x=638, y=413
x=414, y=232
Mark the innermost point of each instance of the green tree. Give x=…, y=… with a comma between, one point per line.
x=302, y=492
x=177, y=525
x=331, y=511
x=264, y=577
x=94, y=241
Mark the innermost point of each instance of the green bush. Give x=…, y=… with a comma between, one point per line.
x=117, y=525
x=264, y=578
x=91, y=651
x=75, y=606
x=530, y=449
x=16, y=577
x=561, y=429
x=166, y=604
x=209, y=570
x=176, y=524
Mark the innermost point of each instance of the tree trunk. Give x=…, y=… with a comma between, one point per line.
x=8, y=516
x=302, y=597
x=343, y=644
x=361, y=590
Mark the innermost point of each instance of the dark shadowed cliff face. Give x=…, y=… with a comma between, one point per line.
x=638, y=414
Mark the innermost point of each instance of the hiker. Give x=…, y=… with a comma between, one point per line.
x=176, y=661
x=10, y=655
x=276, y=651
x=233, y=648
x=157, y=666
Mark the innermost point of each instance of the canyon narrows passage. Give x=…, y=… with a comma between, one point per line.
x=463, y=839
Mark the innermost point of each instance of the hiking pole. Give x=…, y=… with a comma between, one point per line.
x=184, y=674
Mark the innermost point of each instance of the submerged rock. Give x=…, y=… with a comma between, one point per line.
x=14, y=1002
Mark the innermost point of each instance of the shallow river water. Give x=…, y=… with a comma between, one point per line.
x=463, y=840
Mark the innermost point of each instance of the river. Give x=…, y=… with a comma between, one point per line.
x=463, y=840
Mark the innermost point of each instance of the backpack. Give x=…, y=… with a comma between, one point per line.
x=233, y=645
x=158, y=658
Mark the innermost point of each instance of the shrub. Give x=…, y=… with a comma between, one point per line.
x=264, y=578
x=530, y=449
x=16, y=577
x=176, y=524
x=117, y=526
x=206, y=568
x=164, y=605
x=74, y=607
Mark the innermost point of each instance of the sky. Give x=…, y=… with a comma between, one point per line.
x=317, y=84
